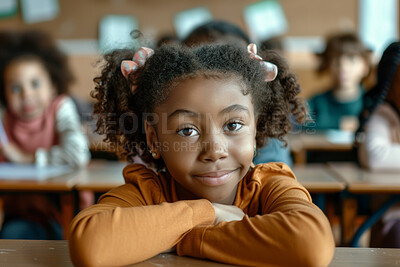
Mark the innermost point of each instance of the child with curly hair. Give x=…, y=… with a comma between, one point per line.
x=197, y=115
x=218, y=31
x=41, y=126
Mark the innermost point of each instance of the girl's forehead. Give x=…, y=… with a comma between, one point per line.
x=205, y=95
x=25, y=70
x=26, y=62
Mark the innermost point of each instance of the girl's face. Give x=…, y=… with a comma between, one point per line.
x=348, y=70
x=206, y=136
x=28, y=88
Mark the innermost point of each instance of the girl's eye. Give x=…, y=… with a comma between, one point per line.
x=35, y=83
x=16, y=89
x=188, y=132
x=233, y=126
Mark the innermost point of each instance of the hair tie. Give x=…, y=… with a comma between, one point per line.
x=270, y=68
x=131, y=66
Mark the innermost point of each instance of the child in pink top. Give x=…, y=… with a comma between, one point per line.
x=40, y=126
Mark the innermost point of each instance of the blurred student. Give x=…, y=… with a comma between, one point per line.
x=167, y=39
x=225, y=32
x=40, y=125
x=378, y=137
x=217, y=32
x=347, y=61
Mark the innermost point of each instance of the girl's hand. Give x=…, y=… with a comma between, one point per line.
x=227, y=213
x=14, y=154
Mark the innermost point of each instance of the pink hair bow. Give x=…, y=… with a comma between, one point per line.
x=270, y=68
x=131, y=66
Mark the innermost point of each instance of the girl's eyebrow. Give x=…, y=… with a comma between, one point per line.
x=231, y=108
x=183, y=112
x=235, y=107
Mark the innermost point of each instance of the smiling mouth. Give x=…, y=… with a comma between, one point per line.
x=28, y=109
x=215, y=178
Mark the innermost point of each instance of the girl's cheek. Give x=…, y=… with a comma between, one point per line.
x=14, y=105
x=243, y=149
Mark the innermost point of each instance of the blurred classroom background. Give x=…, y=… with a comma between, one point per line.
x=78, y=26
x=86, y=29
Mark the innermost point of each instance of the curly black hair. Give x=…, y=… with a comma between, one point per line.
x=275, y=102
x=38, y=45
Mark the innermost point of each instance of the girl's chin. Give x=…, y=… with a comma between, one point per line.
x=30, y=116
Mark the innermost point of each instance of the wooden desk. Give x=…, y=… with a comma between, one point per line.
x=317, y=178
x=360, y=181
x=100, y=176
x=365, y=257
x=320, y=180
x=56, y=253
x=63, y=185
x=318, y=141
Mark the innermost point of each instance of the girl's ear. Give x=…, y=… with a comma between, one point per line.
x=152, y=138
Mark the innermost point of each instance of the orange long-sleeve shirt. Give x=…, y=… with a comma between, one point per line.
x=144, y=217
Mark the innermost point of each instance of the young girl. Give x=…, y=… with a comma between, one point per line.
x=225, y=32
x=347, y=61
x=198, y=114
x=378, y=138
x=41, y=125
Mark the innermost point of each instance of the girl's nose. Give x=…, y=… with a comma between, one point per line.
x=213, y=149
x=24, y=92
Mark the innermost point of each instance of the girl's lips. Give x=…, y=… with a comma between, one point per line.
x=215, y=178
x=28, y=109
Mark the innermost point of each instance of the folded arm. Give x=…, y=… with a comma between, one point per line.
x=118, y=231
x=291, y=232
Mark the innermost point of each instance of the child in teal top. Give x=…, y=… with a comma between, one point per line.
x=347, y=61
x=330, y=113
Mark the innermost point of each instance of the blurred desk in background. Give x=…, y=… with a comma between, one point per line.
x=329, y=141
x=63, y=185
x=56, y=253
x=325, y=186
x=365, y=257
x=318, y=178
x=361, y=181
x=100, y=176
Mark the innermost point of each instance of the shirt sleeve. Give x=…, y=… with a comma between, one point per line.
x=290, y=232
x=380, y=152
x=73, y=149
x=123, y=229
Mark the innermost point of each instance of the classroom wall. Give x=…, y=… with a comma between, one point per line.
x=79, y=19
